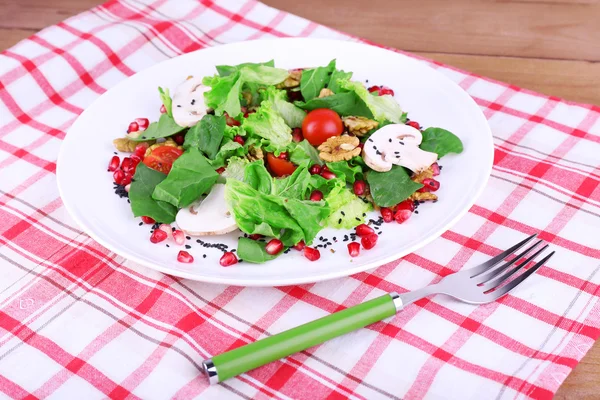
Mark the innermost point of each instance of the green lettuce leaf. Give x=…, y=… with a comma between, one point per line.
x=293, y=186
x=140, y=196
x=440, y=141
x=190, y=177
x=337, y=76
x=254, y=251
x=391, y=187
x=257, y=176
x=382, y=107
x=206, y=135
x=166, y=126
x=165, y=97
x=235, y=168
x=345, y=104
x=268, y=124
x=225, y=70
x=315, y=79
x=227, y=150
x=343, y=169
x=303, y=153
x=292, y=115
x=347, y=210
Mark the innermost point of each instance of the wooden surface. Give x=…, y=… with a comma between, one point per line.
x=550, y=46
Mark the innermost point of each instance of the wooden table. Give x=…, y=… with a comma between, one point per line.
x=550, y=46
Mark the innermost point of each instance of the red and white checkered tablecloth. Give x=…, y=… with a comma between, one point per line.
x=77, y=321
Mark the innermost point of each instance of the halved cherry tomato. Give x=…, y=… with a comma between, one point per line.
x=321, y=124
x=279, y=166
x=162, y=158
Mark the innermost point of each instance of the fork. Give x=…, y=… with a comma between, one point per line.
x=482, y=284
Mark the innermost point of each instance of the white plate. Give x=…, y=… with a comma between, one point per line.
x=429, y=97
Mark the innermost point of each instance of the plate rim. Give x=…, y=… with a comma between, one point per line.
x=276, y=282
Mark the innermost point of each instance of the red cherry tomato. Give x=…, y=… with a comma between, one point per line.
x=279, y=166
x=162, y=158
x=321, y=124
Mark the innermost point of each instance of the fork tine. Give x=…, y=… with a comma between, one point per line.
x=502, y=291
x=495, y=271
x=498, y=280
x=481, y=268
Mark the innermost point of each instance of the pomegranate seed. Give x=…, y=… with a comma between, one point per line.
x=158, y=236
x=114, y=163
x=283, y=155
x=247, y=113
x=231, y=121
x=414, y=124
x=316, y=195
x=424, y=189
x=166, y=228
x=127, y=188
x=163, y=109
x=364, y=230
x=133, y=127
x=126, y=164
x=118, y=176
x=383, y=90
x=432, y=184
x=387, y=214
x=359, y=187
x=361, y=145
x=239, y=139
x=369, y=241
x=374, y=89
x=354, y=249
x=140, y=149
x=311, y=254
x=228, y=259
x=184, y=257
x=255, y=236
x=148, y=220
x=436, y=169
x=179, y=237
x=179, y=139
x=142, y=123
x=135, y=160
x=315, y=169
x=402, y=215
x=297, y=135
x=127, y=177
x=328, y=174
x=406, y=205
x=325, y=168
x=220, y=170
x=300, y=245
x=274, y=247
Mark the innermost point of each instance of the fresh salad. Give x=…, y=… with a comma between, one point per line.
x=278, y=155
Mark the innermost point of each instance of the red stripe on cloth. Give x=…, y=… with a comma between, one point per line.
x=236, y=17
x=14, y=391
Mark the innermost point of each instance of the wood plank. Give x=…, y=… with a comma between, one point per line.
x=583, y=382
x=9, y=36
x=38, y=14
x=554, y=30
x=572, y=80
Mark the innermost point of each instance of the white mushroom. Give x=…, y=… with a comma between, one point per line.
x=188, y=102
x=397, y=144
x=207, y=217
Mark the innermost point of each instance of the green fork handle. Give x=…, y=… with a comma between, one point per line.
x=254, y=355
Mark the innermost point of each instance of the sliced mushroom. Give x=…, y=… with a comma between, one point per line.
x=397, y=144
x=207, y=217
x=188, y=102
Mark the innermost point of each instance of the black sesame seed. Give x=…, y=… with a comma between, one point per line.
x=114, y=152
x=167, y=245
x=334, y=238
x=358, y=219
x=188, y=238
x=187, y=246
x=173, y=229
x=343, y=213
x=374, y=147
x=370, y=140
x=390, y=139
x=416, y=212
x=141, y=223
x=178, y=105
x=378, y=152
x=193, y=101
x=203, y=255
x=339, y=221
x=401, y=142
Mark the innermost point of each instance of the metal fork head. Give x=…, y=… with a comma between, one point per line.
x=489, y=281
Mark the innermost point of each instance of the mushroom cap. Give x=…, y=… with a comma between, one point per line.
x=188, y=102
x=207, y=217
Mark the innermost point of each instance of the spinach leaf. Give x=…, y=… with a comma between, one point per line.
x=254, y=251
x=190, y=177
x=165, y=97
x=441, y=142
x=343, y=169
x=337, y=76
x=224, y=70
x=206, y=135
x=303, y=153
x=140, y=196
x=166, y=126
x=345, y=104
x=313, y=80
x=391, y=187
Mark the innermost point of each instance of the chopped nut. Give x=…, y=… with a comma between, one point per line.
x=169, y=142
x=423, y=196
x=359, y=126
x=325, y=92
x=248, y=97
x=255, y=153
x=293, y=80
x=127, y=145
x=421, y=176
x=338, y=148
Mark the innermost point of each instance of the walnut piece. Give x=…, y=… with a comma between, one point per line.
x=127, y=145
x=359, y=126
x=292, y=81
x=421, y=176
x=169, y=142
x=255, y=153
x=423, y=196
x=338, y=148
x=325, y=92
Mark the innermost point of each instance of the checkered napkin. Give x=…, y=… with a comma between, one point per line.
x=77, y=321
